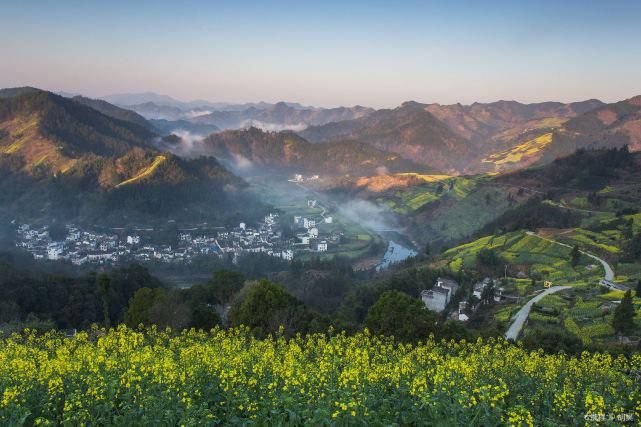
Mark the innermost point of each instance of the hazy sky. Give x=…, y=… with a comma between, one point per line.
x=326, y=53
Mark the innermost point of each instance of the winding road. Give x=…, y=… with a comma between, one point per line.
x=519, y=319
x=521, y=316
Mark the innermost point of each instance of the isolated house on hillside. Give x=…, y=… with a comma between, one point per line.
x=437, y=298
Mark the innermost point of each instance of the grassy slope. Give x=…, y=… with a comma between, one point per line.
x=448, y=208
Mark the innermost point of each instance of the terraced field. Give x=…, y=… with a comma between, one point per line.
x=586, y=313
x=411, y=198
x=537, y=256
x=599, y=242
x=525, y=152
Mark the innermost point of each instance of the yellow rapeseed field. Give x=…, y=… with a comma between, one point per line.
x=129, y=377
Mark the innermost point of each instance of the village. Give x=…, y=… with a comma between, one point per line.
x=273, y=237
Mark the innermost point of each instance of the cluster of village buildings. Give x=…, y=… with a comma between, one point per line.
x=298, y=178
x=87, y=246
x=438, y=298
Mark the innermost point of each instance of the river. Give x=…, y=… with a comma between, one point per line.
x=396, y=252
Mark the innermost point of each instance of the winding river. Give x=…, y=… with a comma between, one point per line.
x=396, y=252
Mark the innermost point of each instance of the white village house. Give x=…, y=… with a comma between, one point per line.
x=437, y=298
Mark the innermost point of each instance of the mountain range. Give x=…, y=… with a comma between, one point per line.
x=105, y=148
x=499, y=136
x=456, y=139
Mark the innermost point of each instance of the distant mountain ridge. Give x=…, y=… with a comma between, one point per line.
x=479, y=120
x=133, y=99
x=281, y=116
x=493, y=137
x=606, y=126
x=255, y=148
x=179, y=127
x=408, y=130
x=115, y=112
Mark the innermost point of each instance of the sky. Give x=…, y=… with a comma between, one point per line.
x=326, y=53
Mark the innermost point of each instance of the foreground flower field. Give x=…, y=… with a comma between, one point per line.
x=128, y=377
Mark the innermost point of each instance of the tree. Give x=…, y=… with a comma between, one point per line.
x=169, y=310
x=634, y=247
x=575, y=256
x=226, y=284
x=552, y=341
x=103, y=282
x=487, y=295
x=9, y=311
x=204, y=317
x=428, y=250
x=487, y=258
x=623, y=321
x=488, y=262
x=639, y=288
x=398, y=315
x=139, y=306
x=265, y=307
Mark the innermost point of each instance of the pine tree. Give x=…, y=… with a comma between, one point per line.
x=103, y=282
x=623, y=321
x=575, y=256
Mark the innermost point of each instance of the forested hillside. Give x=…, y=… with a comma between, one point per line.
x=62, y=158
